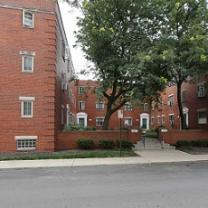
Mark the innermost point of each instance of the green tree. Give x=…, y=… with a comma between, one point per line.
x=115, y=36
x=181, y=43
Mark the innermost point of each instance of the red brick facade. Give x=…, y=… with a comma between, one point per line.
x=45, y=42
x=135, y=113
x=195, y=104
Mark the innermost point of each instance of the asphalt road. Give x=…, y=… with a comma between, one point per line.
x=131, y=186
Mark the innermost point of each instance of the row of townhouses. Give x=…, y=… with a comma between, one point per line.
x=38, y=97
x=90, y=110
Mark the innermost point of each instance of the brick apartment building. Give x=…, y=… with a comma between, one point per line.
x=90, y=109
x=195, y=105
x=35, y=69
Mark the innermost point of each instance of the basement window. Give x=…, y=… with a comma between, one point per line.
x=26, y=143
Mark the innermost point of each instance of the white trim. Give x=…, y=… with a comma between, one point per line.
x=25, y=137
x=147, y=117
x=170, y=95
x=82, y=115
x=29, y=53
x=23, y=63
x=128, y=117
x=23, y=19
x=19, y=138
x=23, y=98
x=26, y=99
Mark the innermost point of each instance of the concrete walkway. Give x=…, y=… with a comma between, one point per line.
x=146, y=157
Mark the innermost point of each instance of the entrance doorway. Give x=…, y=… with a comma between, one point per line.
x=144, y=121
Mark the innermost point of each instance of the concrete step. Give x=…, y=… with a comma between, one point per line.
x=152, y=144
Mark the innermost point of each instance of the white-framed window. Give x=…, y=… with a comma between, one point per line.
x=26, y=143
x=100, y=105
x=202, y=117
x=201, y=90
x=81, y=90
x=170, y=100
x=128, y=121
x=27, y=106
x=128, y=107
x=28, y=19
x=171, y=120
x=99, y=121
x=82, y=105
x=145, y=106
x=27, y=63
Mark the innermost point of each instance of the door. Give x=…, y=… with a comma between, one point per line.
x=81, y=121
x=144, y=123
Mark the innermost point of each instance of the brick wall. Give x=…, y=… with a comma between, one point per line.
x=46, y=40
x=172, y=136
x=67, y=140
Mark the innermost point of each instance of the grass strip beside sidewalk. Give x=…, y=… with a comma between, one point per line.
x=67, y=155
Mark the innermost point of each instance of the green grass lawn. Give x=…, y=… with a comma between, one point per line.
x=67, y=155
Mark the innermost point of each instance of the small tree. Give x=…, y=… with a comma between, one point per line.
x=115, y=35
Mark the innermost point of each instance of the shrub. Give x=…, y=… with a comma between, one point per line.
x=76, y=127
x=106, y=144
x=152, y=133
x=192, y=143
x=85, y=144
x=125, y=144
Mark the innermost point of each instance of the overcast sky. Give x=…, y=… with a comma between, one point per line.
x=70, y=15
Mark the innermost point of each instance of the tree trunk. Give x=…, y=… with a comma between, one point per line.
x=107, y=117
x=180, y=106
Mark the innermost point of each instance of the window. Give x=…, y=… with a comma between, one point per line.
x=171, y=119
x=27, y=63
x=100, y=106
x=202, y=117
x=201, y=90
x=26, y=107
x=170, y=100
x=128, y=121
x=81, y=90
x=25, y=143
x=128, y=107
x=81, y=105
x=145, y=106
x=152, y=120
x=28, y=19
x=99, y=121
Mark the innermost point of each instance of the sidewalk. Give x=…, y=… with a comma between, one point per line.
x=146, y=157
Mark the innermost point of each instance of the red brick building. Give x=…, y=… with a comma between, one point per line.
x=90, y=109
x=35, y=69
x=195, y=105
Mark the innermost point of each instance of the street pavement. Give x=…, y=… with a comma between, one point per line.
x=173, y=185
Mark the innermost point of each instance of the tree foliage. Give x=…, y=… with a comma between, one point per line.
x=181, y=43
x=116, y=36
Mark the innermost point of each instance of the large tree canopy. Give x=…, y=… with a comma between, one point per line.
x=116, y=36
x=181, y=42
